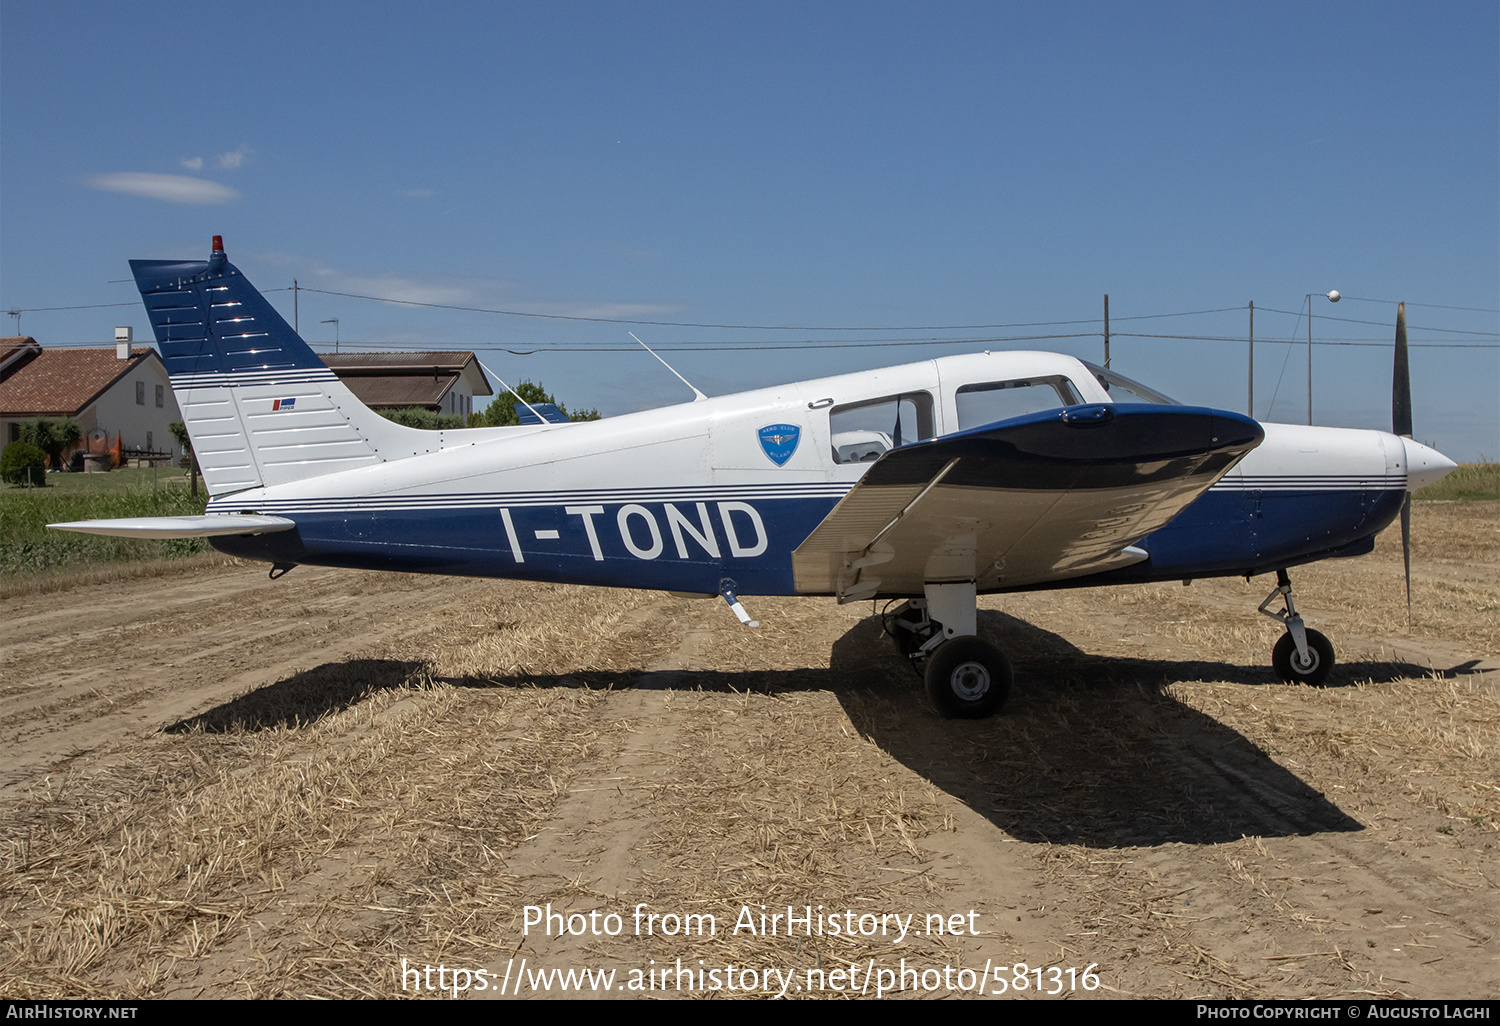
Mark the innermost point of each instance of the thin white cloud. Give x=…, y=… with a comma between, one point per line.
x=193, y=163
x=417, y=193
x=234, y=158
x=171, y=188
x=403, y=290
x=603, y=311
x=477, y=293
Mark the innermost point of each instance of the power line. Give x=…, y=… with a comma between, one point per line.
x=1433, y=306
x=1380, y=324
x=811, y=344
x=840, y=328
x=691, y=324
x=1376, y=342
x=88, y=306
x=753, y=327
x=610, y=347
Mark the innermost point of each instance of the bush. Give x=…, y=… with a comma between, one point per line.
x=418, y=417
x=23, y=464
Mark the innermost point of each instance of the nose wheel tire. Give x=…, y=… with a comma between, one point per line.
x=968, y=678
x=1292, y=669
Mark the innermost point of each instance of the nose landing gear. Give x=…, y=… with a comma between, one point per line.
x=1302, y=655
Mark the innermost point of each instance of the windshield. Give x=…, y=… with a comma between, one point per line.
x=1122, y=390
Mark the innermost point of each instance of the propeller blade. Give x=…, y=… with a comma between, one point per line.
x=1406, y=551
x=1401, y=425
x=1401, y=380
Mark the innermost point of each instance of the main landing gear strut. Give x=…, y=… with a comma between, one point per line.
x=965, y=677
x=1302, y=655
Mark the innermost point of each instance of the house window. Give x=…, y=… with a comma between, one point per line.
x=161, y=396
x=140, y=393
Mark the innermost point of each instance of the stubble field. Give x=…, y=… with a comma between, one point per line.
x=215, y=785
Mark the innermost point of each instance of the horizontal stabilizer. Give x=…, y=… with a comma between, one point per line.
x=180, y=527
x=543, y=412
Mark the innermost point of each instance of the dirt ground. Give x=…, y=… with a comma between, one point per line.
x=346, y=784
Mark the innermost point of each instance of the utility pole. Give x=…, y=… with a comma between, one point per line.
x=1333, y=297
x=294, y=307
x=1106, y=331
x=1250, y=403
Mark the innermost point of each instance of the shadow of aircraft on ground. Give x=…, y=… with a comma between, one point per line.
x=1091, y=750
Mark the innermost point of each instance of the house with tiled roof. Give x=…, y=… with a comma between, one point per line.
x=443, y=382
x=111, y=392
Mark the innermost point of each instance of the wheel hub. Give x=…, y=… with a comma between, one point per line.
x=970, y=681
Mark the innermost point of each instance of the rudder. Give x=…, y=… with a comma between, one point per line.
x=260, y=406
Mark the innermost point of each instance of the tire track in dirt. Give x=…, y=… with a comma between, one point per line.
x=592, y=851
x=153, y=652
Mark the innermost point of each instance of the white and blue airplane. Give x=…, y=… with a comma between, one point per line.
x=928, y=484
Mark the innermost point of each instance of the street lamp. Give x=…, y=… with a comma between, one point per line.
x=335, y=322
x=1333, y=297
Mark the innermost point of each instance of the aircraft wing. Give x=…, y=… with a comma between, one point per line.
x=1038, y=498
x=180, y=527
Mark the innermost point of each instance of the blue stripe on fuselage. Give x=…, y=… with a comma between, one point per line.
x=674, y=546
x=1232, y=532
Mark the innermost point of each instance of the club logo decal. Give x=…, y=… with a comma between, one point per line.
x=779, y=441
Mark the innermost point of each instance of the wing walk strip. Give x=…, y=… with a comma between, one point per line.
x=937, y=479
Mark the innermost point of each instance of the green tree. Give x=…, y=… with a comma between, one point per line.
x=502, y=412
x=23, y=464
x=53, y=436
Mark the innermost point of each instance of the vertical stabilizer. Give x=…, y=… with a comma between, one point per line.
x=258, y=403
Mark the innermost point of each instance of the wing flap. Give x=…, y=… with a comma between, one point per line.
x=1039, y=498
x=212, y=525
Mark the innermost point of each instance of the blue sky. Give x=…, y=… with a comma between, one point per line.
x=901, y=167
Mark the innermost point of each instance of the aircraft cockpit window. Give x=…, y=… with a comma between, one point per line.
x=862, y=432
x=1001, y=400
x=1122, y=390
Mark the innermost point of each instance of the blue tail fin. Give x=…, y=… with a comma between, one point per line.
x=260, y=406
x=209, y=320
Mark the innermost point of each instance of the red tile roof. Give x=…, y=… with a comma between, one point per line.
x=397, y=363
x=394, y=380
x=381, y=391
x=61, y=382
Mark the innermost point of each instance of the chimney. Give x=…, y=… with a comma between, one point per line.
x=122, y=343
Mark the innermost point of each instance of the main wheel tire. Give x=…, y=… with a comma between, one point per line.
x=1292, y=670
x=968, y=678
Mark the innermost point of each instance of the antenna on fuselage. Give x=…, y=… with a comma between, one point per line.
x=697, y=395
x=512, y=391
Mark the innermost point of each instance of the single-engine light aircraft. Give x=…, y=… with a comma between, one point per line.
x=928, y=484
